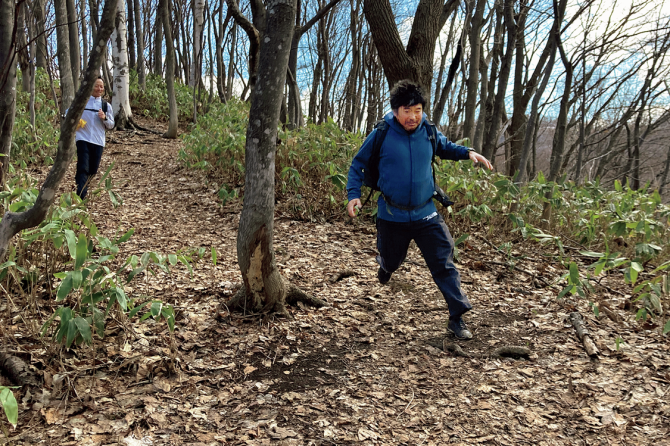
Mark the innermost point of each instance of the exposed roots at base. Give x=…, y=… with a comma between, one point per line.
x=295, y=295
x=292, y=296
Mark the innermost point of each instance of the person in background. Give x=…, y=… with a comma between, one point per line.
x=90, y=136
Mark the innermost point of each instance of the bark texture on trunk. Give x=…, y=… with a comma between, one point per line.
x=12, y=223
x=41, y=53
x=164, y=8
x=7, y=85
x=139, y=36
x=416, y=61
x=73, y=32
x=198, y=22
x=63, y=53
x=264, y=289
x=473, y=71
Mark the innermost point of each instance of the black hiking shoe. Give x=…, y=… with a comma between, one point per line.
x=459, y=329
x=383, y=276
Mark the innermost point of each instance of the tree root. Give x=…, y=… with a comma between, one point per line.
x=506, y=351
x=341, y=275
x=293, y=295
x=17, y=370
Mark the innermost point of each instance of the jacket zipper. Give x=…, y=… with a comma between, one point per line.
x=411, y=175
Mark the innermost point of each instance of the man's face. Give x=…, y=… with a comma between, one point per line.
x=98, y=88
x=409, y=116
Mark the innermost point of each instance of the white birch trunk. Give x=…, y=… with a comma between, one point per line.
x=198, y=21
x=121, y=82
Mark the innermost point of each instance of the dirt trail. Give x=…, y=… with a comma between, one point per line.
x=364, y=370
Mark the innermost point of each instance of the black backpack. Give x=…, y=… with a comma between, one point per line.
x=371, y=171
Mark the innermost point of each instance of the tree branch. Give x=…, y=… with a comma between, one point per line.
x=320, y=13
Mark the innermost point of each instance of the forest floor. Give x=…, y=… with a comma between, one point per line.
x=366, y=369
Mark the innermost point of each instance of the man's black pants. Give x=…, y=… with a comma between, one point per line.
x=437, y=247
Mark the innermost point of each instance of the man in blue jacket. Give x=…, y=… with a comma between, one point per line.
x=405, y=210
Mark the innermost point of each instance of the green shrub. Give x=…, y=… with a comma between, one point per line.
x=311, y=162
x=153, y=101
x=35, y=145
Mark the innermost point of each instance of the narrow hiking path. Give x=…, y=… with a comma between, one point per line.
x=367, y=369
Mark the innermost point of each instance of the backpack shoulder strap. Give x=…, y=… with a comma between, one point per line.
x=382, y=128
x=432, y=135
x=104, y=106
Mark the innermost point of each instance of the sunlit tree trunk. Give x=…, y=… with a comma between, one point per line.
x=121, y=98
x=198, y=21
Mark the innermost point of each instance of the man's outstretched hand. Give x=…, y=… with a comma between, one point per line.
x=353, y=207
x=477, y=158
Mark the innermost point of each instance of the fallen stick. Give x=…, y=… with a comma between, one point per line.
x=583, y=334
x=506, y=351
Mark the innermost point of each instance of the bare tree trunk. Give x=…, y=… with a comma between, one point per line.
x=416, y=60
x=295, y=117
x=158, y=45
x=121, y=98
x=7, y=88
x=231, y=61
x=664, y=177
x=475, y=59
x=164, y=8
x=531, y=129
x=220, y=64
x=139, y=37
x=32, y=47
x=451, y=74
x=22, y=49
x=198, y=22
x=264, y=289
x=12, y=223
x=130, y=25
x=73, y=31
x=63, y=48
x=84, y=30
x=558, y=145
x=41, y=53
x=254, y=38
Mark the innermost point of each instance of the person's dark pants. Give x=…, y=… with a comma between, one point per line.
x=88, y=161
x=435, y=242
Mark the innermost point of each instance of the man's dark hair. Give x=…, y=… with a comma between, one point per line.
x=100, y=77
x=407, y=93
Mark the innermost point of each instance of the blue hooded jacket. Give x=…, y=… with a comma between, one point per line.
x=405, y=174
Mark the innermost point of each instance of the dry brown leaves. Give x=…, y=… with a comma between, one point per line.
x=366, y=369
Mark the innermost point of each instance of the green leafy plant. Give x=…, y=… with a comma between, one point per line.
x=9, y=404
